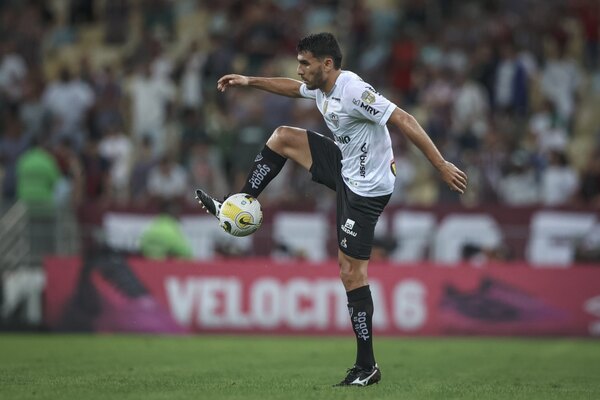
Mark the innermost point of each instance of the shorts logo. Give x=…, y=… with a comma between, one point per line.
x=343, y=243
x=356, y=102
x=393, y=167
x=347, y=228
x=368, y=97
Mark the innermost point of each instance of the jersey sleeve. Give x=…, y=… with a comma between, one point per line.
x=307, y=93
x=363, y=102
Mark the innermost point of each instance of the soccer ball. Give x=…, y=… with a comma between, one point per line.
x=240, y=215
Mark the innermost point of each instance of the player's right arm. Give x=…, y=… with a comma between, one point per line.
x=281, y=86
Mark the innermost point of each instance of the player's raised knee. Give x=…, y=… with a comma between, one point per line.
x=282, y=139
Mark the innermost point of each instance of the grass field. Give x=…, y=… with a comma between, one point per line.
x=232, y=367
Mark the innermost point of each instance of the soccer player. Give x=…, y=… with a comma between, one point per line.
x=358, y=165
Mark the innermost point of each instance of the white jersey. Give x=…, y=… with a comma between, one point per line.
x=357, y=115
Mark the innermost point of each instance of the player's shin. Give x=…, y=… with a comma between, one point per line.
x=267, y=165
x=360, y=307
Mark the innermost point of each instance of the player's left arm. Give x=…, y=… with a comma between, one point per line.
x=454, y=177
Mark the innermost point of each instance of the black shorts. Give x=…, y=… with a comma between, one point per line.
x=356, y=215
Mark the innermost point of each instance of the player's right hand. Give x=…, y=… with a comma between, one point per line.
x=231, y=80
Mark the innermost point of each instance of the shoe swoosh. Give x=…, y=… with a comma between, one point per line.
x=363, y=382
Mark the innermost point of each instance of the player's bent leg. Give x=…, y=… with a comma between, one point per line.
x=285, y=142
x=291, y=143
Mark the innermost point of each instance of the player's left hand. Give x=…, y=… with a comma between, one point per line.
x=454, y=177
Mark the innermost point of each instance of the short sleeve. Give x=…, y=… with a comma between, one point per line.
x=363, y=102
x=307, y=93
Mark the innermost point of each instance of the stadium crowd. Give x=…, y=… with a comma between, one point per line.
x=116, y=100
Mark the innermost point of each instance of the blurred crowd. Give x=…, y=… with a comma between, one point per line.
x=116, y=100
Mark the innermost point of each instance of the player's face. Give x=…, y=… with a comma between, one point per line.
x=310, y=70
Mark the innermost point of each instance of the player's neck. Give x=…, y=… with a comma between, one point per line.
x=331, y=81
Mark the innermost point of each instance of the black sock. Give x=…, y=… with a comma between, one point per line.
x=360, y=307
x=267, y=165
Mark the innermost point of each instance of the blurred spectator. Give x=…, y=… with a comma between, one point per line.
x=560, y=81
x=192, y=131
x=69, y=100
x=164, y=238
x=150, y=98
x=81, y=11
x=511, y=87
x=470, y=110
x=37, y=177
x=437, y=98
x=168, y=181
x=12, y=71
x=69, y=190
x=559, y=181
x=116, y=25
x=116, y=147
x=257, y=34
x=548, y=129
x=588, y=12
x=405, y=170
x=13, y=142
x=144, y=162
x=219, y=61
x=491, y=160
x=158, y=16
x=96, y=170
x=191, y=77
x=33, y=112
x=107, y=111
x=518, y=185
x=206, y=168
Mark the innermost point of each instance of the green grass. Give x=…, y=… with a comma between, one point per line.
x=232, y=367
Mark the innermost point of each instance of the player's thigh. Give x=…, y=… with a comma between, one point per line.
x=292, y=143
x=356, y=220
x=326, y=166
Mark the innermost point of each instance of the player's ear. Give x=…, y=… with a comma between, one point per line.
x=328, y=63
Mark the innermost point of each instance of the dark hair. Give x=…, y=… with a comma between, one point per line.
x=322, y=45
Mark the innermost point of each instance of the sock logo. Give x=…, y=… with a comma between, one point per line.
x=360, y=326
x=258, y=175
x=258, y=157
x=350, y=311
